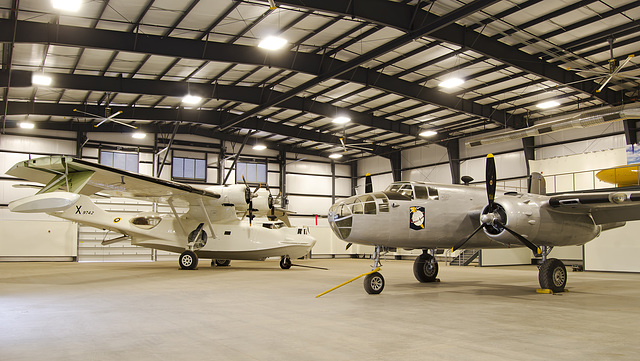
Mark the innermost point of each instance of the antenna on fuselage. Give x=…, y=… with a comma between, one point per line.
x=466, y=179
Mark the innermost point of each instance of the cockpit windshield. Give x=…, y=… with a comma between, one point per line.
x=404, y=190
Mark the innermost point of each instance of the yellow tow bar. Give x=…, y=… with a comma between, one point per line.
x=349, y=281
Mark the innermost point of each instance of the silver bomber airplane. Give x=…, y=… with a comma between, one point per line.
x=417, y=215
x=213, y=227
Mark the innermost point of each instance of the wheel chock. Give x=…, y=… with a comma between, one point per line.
x=548, y=291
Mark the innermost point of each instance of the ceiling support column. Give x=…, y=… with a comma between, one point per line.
x=529, y=154
x=282, y=160
x=453, y=152
x=396, y=165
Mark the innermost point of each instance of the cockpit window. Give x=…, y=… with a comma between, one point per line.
x=421, y=192
x=433, y=193
x=369, y=204
x=275, y=225
x=146, y=221
x=383, y=202
x=406, y=190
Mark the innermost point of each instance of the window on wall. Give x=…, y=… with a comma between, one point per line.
x=120, y=160
x=253, y=172
x=189, y=169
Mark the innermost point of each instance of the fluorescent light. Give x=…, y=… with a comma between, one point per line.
x=341, y=120
x=272, y=43
x=428, y=133
x=335, y=156
x=259, y=147
x=452, y=82
x=138, y=135
x=41, y=79
x=66, y=5
x=27, y=125
x=548, y=104
x=191, y=99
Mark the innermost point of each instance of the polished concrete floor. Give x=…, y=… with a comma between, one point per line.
x=256, y=311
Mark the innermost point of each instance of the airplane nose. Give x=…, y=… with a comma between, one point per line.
x=340, y=219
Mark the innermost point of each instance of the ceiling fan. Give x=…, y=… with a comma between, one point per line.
x=107, y=118
x=364, y=146
x=615, y=68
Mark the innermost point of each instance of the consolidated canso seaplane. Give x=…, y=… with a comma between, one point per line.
x=218, y=224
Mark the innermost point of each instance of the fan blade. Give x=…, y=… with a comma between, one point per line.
x=491, y=180
x=461, y=243
x=91, y=114
x=522, y=240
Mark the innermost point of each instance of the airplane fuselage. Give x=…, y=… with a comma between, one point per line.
x=228, y=238
x=416, y=215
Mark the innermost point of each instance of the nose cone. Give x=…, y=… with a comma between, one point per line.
x=340, y=219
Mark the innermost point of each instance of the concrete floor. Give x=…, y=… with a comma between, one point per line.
x=256, y=311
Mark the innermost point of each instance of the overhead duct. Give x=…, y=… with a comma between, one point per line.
x=583, y=120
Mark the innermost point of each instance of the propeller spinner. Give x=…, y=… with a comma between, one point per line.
x=493, y=217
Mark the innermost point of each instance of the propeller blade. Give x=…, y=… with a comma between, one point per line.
x=368, y=184
x=491, y=180
x=522, y=240
x=461, y=243
x=348, y=245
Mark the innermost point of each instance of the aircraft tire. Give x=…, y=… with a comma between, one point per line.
x=222, y=262
x=424, y=269
x=285, y=263
x=552, y=275
x=188, y=260
x=374, y=283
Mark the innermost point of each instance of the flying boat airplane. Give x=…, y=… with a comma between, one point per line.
x=427, y=216
x=218, y=224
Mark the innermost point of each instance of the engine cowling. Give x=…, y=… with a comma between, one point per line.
x=520, y=215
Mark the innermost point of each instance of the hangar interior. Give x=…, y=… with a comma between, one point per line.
x=379, y=66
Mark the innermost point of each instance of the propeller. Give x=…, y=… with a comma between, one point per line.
x=492, y=217
x=248, y=197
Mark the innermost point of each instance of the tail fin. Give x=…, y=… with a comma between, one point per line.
x=537, y=184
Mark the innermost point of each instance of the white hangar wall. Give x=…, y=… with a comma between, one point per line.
x=310, y=185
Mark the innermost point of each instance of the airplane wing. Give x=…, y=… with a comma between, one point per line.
x=83, y=177
x=603, y=207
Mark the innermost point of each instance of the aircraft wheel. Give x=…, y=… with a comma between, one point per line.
x=188, y=260
x=425, y=268
x=552, y=275
x=374, y=283
x=223, y=262
x=285, y=263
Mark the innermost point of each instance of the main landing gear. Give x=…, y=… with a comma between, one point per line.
x=374, y=282
x=552, y=274
x=425, y=267
x=196, y=240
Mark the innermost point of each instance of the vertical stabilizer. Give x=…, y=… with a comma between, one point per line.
x=537, y=185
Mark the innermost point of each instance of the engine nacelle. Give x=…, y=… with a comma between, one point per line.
x=520, y=215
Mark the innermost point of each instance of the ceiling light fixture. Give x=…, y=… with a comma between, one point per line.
x=341, y=120
x=138, y=135
x=66, y=5
x=428, y=133
x=272, y=43
x=335, y=156
x=548, y=104
x=451, y=83
x=191, y=99
x=27, y=125
x=41, y=79
x=259, y=147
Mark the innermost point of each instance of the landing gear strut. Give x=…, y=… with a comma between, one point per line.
x=374, y=282
x=425, y=267
x=552, y=274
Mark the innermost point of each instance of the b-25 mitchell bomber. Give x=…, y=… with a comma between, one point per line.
x=217, y=225
x=417, y=215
